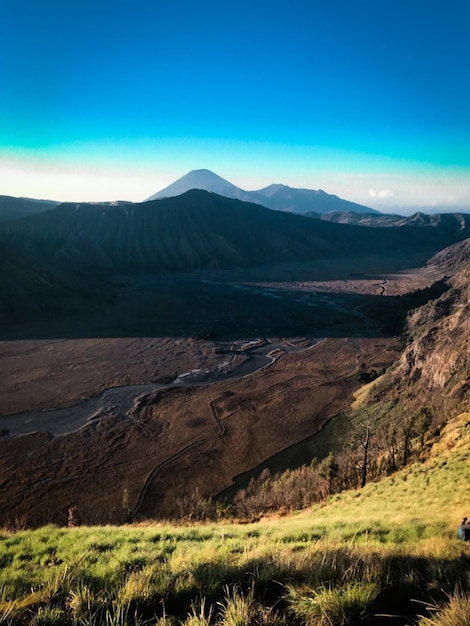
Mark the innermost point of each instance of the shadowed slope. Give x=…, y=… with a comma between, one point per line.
x=15, y=208
x=203, y=230
x=452, y=222
x=31, y=288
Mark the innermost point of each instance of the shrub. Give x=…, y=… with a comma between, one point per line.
x=325, y=606
x=49, y=616
x=199, y=616
x=455, y=613
x=238, y=608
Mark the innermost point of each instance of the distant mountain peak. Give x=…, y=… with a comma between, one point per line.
x=276, y=196
x=199, y=179
x=201, y=175
x=204, y=171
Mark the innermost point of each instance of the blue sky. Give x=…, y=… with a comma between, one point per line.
x=105, y=99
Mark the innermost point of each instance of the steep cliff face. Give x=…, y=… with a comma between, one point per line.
x=438, y=357
x=434, y=368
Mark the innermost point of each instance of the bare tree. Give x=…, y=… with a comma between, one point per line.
x=362, y=449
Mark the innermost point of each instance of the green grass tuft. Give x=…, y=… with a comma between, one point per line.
x=333, y=563
x=324, y=606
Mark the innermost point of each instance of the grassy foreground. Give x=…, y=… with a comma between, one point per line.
x=387, y=554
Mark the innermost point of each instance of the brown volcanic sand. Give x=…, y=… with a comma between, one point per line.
x=41, y=374
x=200, y=438
x=261, y=415
x=395, y=284
x=182, y=439
x=49, y=374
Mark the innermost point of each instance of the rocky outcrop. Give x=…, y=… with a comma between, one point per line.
x=434, y=368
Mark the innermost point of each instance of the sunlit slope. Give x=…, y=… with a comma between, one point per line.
x=392, y=547
x=425, y=495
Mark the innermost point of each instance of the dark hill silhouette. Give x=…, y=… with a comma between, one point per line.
x=450, y=221
x=278, y=197
x=15, y=208
x=32, y=287
x=202, y=230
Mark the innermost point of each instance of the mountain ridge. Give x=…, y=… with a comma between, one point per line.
x=15, y=208
x=199, y=229
x=276, y=196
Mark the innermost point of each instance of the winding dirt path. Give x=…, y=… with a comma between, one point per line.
x=174, y=457
x=382, y=286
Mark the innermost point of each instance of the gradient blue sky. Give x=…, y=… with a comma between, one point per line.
x=369, y=100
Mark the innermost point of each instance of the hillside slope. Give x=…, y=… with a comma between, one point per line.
x=14, y=208
x=201, y=230
x=434, y=368
x=438, y=486
x=32, y=287
x=387, y=555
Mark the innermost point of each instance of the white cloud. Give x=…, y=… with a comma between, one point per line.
x=381, y=194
